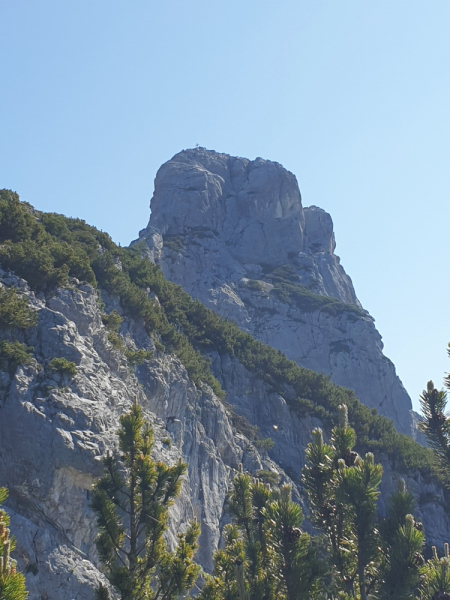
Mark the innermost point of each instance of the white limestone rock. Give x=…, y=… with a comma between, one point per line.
x=55, y=430
x=227, y=224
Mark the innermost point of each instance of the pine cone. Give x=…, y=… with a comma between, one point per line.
x=350, y=458
x=294, y=534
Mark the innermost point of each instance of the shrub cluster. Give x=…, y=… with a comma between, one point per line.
x=64, y=366
x=15, y=311
x=14, y=354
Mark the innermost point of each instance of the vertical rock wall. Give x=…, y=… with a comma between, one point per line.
x=234, y=234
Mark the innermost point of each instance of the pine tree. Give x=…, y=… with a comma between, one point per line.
x=12, y=583
x=436, y=577
x=435, y=424
x=403, y=540
x=101, y=593
x=342, y=489
x=266, y=555
x=402, y=572
x=329, y=513
x=298, y=566
x=358, y=490
x=131, y=502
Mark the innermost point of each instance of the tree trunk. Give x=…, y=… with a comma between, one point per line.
x=361, y=575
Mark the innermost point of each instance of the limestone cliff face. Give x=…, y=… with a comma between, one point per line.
x=234, y=234
x=55, y=430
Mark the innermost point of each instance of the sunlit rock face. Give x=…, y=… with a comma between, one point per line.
x=234, y=234
x=280, y=280
x=255, y=207
x=55, y=431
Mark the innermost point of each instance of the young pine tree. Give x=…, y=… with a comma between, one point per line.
x=342, y=489
x=266, y=554
x=435, y=424
x=402, y=540
x=330, y=515
x=436, y=577
x=358, y=491
x=12, y=583
x=131, y=502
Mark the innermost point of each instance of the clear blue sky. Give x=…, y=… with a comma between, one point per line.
x=351, y=96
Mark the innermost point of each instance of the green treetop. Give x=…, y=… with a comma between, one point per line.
x=266, y=555
x=131, y=502
x=435, y=424
x=342, y=489
x=12, y=583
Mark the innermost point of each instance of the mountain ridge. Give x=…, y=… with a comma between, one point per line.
x=210, y=212
x=67, y=421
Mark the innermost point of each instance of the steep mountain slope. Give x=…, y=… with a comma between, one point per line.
x=234, y=234
x=58, y=419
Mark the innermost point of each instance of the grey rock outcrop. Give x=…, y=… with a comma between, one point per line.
x=55, y=430
x=234, y=234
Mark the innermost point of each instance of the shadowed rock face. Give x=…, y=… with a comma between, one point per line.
x=233, y=233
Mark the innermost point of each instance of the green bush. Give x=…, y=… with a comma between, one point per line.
x=288, y=289
x=14, y=354
x=268, y=477
x=112, y=321
x=62, y=365
x=42, y=248
x=174, y=242
x=137, y=357
x=254, y=284
x=264, y=444
x=15, y=311
x=116, y=341
x=46, y=249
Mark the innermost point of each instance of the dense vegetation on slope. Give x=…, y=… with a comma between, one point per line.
x=46, y=249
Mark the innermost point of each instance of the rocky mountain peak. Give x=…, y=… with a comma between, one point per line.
x=253, y=206
x=252, y=213
x=234, y=234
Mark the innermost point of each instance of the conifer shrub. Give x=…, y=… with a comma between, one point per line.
x=12, y=582
x=116, y=341
x=44, y=258
x=14, y=354
x=64, y=366
x=137, y=357
x=254, y=284
x=264, y=444
x=289, y=289
x=112, y=321
x=131, y=502
x=15, y=310
x=266, y=554
x=174, y=242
